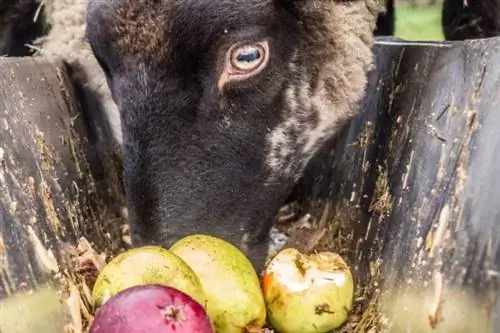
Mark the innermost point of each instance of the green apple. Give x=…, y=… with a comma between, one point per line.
x=307, y=293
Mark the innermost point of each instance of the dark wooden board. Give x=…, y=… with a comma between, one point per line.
x=55, y=188
x=410, y=190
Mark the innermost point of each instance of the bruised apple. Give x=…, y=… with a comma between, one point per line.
x=146, y=265
x=307, y=293
x=151, y=308
x=234, y=297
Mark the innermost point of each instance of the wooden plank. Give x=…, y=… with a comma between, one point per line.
x=412, y=187
x=55, y=188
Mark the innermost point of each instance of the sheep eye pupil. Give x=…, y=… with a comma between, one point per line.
x=248, y=56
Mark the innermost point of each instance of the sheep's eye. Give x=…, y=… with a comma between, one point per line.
x=248, y=57
x=243, y=62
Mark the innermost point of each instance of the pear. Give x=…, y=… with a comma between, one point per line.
x=235, y=302
x=307, y=293
x=142, y=266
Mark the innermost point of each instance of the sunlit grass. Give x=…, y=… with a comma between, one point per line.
x=419, y=23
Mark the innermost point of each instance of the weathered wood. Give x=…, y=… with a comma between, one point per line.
x=55, y=188
x=410, y=191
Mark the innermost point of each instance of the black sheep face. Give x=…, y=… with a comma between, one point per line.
x=223, y=103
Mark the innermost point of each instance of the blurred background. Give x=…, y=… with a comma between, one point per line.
x=418, y=19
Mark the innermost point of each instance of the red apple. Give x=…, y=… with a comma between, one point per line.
x=151, y=308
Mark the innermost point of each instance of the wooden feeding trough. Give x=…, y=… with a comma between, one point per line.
x=408, y=192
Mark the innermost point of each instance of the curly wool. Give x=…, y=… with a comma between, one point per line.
x=66, y=41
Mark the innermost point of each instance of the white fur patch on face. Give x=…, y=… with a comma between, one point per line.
x=330, y=75
x=143, y=78
x=295, y=141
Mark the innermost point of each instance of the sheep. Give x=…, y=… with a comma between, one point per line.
x=223, y=103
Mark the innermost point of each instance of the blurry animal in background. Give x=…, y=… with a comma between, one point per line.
x=465, y=19
x=20, y=24
x=461, y=19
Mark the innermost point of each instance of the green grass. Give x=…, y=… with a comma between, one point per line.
x=420, y=23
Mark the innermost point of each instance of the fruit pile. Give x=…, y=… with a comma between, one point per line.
x=204, y=284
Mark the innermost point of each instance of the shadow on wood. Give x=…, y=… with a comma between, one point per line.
x=409, y=191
